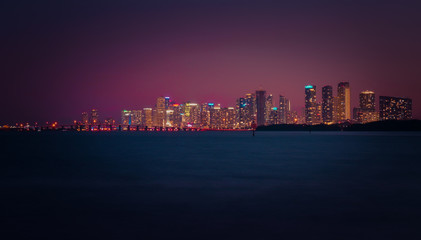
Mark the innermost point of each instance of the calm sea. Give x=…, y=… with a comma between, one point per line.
x=210, y=185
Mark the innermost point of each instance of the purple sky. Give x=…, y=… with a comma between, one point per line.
x=60, y=59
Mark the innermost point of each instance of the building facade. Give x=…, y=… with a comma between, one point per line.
x=395, y=108
x=268, y=108
x=261, y=107
x=283, y=110
x=344, y=96
x=310, y=104
x=160, y=112
x=327, y=104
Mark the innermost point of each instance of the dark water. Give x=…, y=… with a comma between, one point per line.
x=211, y=185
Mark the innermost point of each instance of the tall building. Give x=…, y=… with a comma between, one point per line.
x=241, y=113
x=245, y=111
x=167, y=103
x=148, y=117
x=335, y=110
x=251, y=109
x=394, y=108
x=367, y=110
x=192, y=114
x=136, y=117
x=310, y=104
x=288, y=110
x=204, y=115
x=126, y=117
x=368, y=101
x=177, y=117
x=268, y=108
x=261, y=107
x=273, y=116
x=228, y=118
x=160, y=112
x=94, y=117
x=283, y=110
x=327, y=104
x=344, y=95
x=169, y=118
x=216, y=121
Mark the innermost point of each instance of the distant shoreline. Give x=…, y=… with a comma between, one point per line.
x=386, y=126
x=390, y=125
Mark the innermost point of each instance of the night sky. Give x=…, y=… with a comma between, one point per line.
x=60, y=58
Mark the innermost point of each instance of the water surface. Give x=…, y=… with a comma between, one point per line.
x=211, y=185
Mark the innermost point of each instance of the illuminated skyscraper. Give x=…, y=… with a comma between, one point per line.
x=344, y=95
x=251, y=109
x=368, y=101
x=136, y=117
x=216, y=117
x=204, y=115
x=160, y=112
x=192, y=114
x=327, y=104
x=261, y=107
x=177, y=117
x=273, y=116
x=230, y=118
x=169, y=118
x=126, y=117
x=241, y=113
x=245, y=111
x=284, y=108
x=147, y=117
x=167, y=103
x=227, y=118
x=367, y=110
x=94, y=117
x=394, y=108
x=310, y=104
x=335, y=110
x=268, y=108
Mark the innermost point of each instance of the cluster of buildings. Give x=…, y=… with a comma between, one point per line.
x=167, y=113
x=337, y=109
x=257, y=109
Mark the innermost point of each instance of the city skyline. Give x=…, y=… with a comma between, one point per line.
x=323, y=106
x=259, y=109
x=62, y=58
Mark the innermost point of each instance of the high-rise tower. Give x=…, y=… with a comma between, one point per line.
x=368, y=101
x=327, y=104
x=160, y=112
x=344, y=95
x=310, y=104
x=367, y=110
x=268, y=108
x=283, y=110
x=261, y=107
